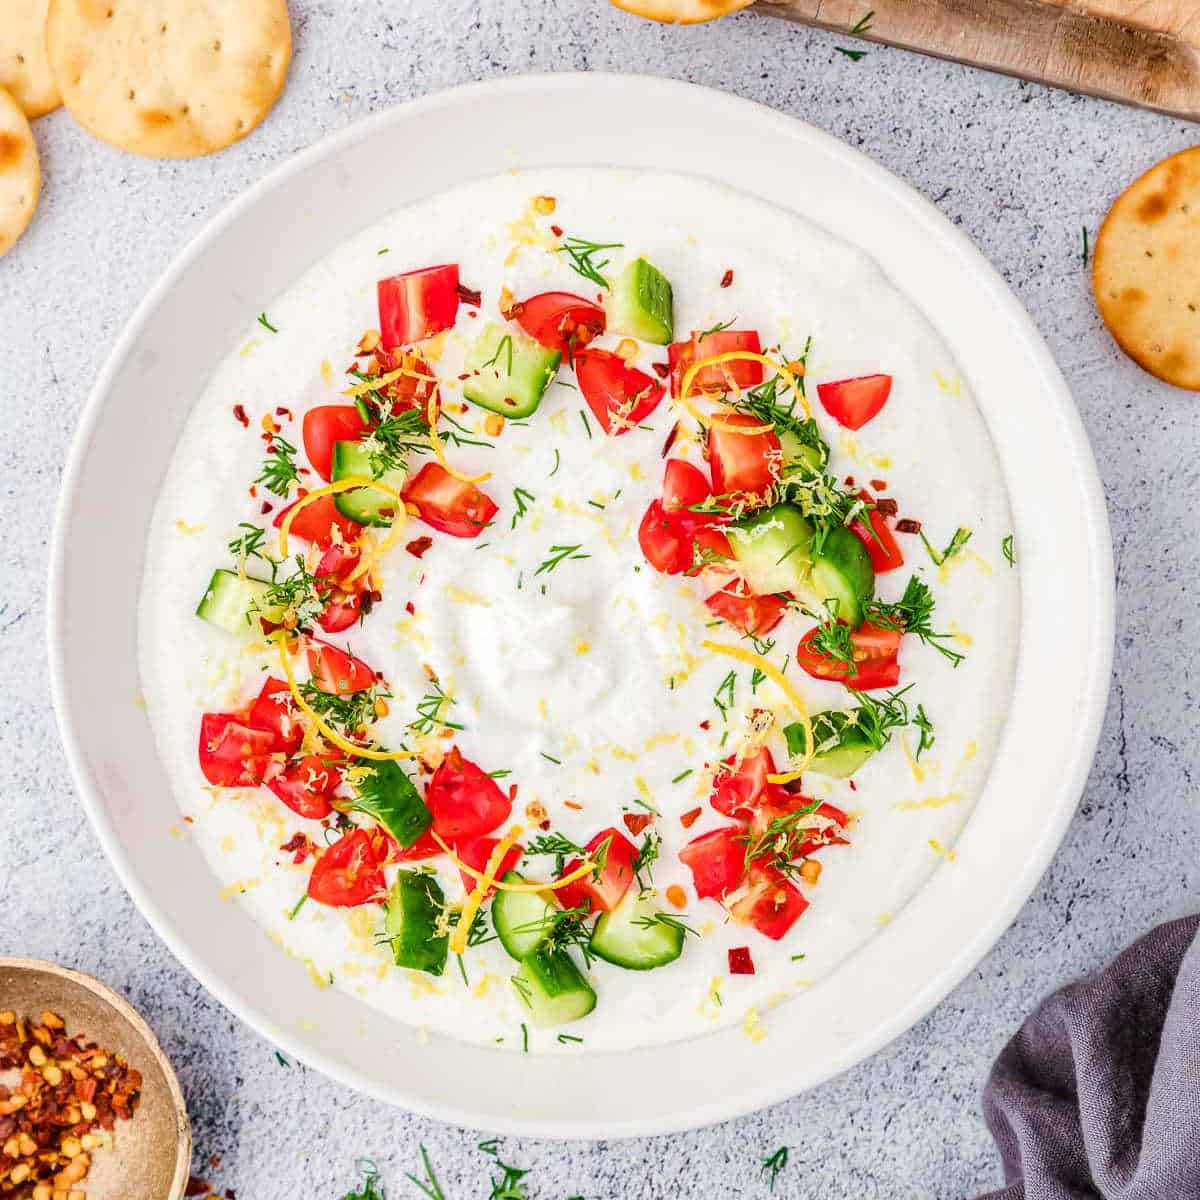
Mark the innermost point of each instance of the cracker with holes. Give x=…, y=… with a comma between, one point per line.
x=24, y=68
x=682, y=12
x=1146, y=270
x=169, y=78
x=20, y=175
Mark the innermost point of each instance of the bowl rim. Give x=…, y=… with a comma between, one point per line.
x=1099, y=619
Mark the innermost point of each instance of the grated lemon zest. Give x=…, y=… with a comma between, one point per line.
x=439, y=450
x=585, y=868
x=331, y=489
x=689, y=378
x=382, y=381
x=458, y=939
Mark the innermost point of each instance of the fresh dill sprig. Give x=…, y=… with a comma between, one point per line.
x=668, y=920
x=249, y=544
x=582, y=254
x=430, y=710
x=503, y=346
x=429, y=1185
x=559, y=554
x=717, y=328
x=393, y=439
x=557, y=464
x=723, y=697
x=852, y=55
x=645, y=859
x=297, y=595
x=1006, y=548
x=962, y=535
x=925, y=727
x=863, y=24
x=351, y=714
x=262, y=320
x=556, y=844
x=775, y=1163
x=683, y=775
x=913, y=613
x=778, y=841
x=279, y=470
x=523, y=499
x=370, y=1187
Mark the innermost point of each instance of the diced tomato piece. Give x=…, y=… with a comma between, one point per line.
x=831, y=835
x=232, y=753
x=683, y=486
x=666, y=539
x=743, y=462
x=477, y=853
x=717, y=861
x=874, y=649
x=710, y=548
x=561, y=320
x=350, y=872
x=879, y=540
x=323, y=427
x=417, y=304
x=740, y=962
x=755, y=615
x=341, y=614
x=601, y=892
x=316, y=522
x=465, y=801
x=307, y=787
x=679, y=358
x=773, y=904
x=275, y=710
x=853, y=402
x=448, y=504
x=336, y=672
x=424, y=847
x=738, y=373
x=619, y=395
x=738, y=787
x=416, y=387
x=343, y=596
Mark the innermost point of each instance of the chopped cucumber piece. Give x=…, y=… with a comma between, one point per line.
x=386, y=793
x=364, y=505
x=843, y=578
x=415, y=923
x=509, y=372
x=797, y=451
x=773, y=549
x=632, y=936
x=640, y=304
x=553, y=988
x=522, y=919
x=232, y=601
x=846, y=746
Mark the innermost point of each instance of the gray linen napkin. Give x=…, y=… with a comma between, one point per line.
x=1098, y=1096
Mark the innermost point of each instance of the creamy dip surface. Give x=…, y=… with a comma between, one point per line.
x=589, y=682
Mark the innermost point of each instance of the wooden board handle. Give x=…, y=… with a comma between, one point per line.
x=1102, y=47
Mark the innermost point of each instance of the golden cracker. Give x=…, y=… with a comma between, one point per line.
x=169, y=78
x=682, y=12
x=1146, y=270
x=20, y=174
x=24, y=68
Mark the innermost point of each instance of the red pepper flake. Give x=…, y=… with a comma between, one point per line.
x=853, y=785
x=408, y=608
x=879, y=485
x=849, y=480
x=662, y=370
x=254, y=490
x=469, y=296
x=670, y=439
x=280, y=411
x=740, y=962
x=556, y=230
x=636, y=822
x=239, y=411
x=572, y=804
x=727, y=278
x=705, y=724
x=689, y=818
x=418, y=546
x=267, y=507
x=908, y=525
x=887, y=507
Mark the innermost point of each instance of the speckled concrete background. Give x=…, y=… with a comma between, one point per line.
x=1024, y=171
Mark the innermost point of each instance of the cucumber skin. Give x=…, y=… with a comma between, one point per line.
x=552, y=988
x=838, y=762
x=649, y=318
x=216, y=607
x=414, y=910
x=362, y=504
x=615, y=938
x=388, y=795
x=843, y=572
x=533, y=367
x=761, y=540
x=511, y=911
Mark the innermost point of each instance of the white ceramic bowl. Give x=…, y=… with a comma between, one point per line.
x=254, y=249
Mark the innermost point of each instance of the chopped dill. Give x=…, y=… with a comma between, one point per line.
x=583, y=255
x=775, y=1163
x=430, y=1186
x=962, y=535
x=1006, y=548
x=279, y=470
x=682, y=775
x=430, y=710
x=913, y=613
x=560, y=554
x=262, y=320
x=587, y=425
x=557, y=463
x=523, y=499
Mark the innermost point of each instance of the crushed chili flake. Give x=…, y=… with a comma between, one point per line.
x=880, y=485
x=469, y=296
x=727, y=278
x=689, y=818
x=556, y=230
x=267, y=507
x=705, y=724
x=69, y=1098
x=887, y=507
x=418, y=546
x=408, y=608
x=908, y=525
x=572, y=804
x=239, y=411
x=670, y=439
x=636, y=822
x=853, y=785
x=299, y=846
x=280, y=411
x=740, y=962
x=849, y=480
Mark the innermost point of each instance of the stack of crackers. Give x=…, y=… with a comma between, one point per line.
x=166, y=78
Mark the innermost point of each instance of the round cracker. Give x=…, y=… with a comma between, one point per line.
x=24, y=67
x=20, y=175
x=169, y=78
x=682, y=12
x=1146, y=270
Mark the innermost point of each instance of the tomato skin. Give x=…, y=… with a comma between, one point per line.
x=683, y=486
x=717, y=861
x=726, y=376
x=306, y=787
x=232, y=753
x=773, y=904
x=743, y=462
x=413, y=390
x=325, y=425
x=602, y=892
x=449, y=505
x=275, y=710
x=755, y=615
x=316, y=522
x=875, y=650
x=335, y=671
x=619, y=395
x=477, y=852
x=879, y=540
x=740, y=786
x=343, y=604
x=831, y=836
x=665, y=539
x=561, y=321
x=350, y=872
x=465, y=801
x=717, y=552
x=417, y=304
x=853, y=402
x=424, y=847
x=680, y=357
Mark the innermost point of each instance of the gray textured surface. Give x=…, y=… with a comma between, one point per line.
x=1023, y=170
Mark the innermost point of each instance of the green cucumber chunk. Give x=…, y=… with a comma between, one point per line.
x=629, y=936
x=522, y=919
x=508, y=371
x=552, y=988
x=845, y=746
x=640, y=304
x=231, y=601
x=843, y=578
x=385, y=793
x=364, y=505
x=796, y=450
x=415, y=923
x=773, y=549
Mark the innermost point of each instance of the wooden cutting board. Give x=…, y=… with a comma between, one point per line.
x=1144, y=52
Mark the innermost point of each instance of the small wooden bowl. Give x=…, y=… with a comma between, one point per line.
x=152, y=1152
